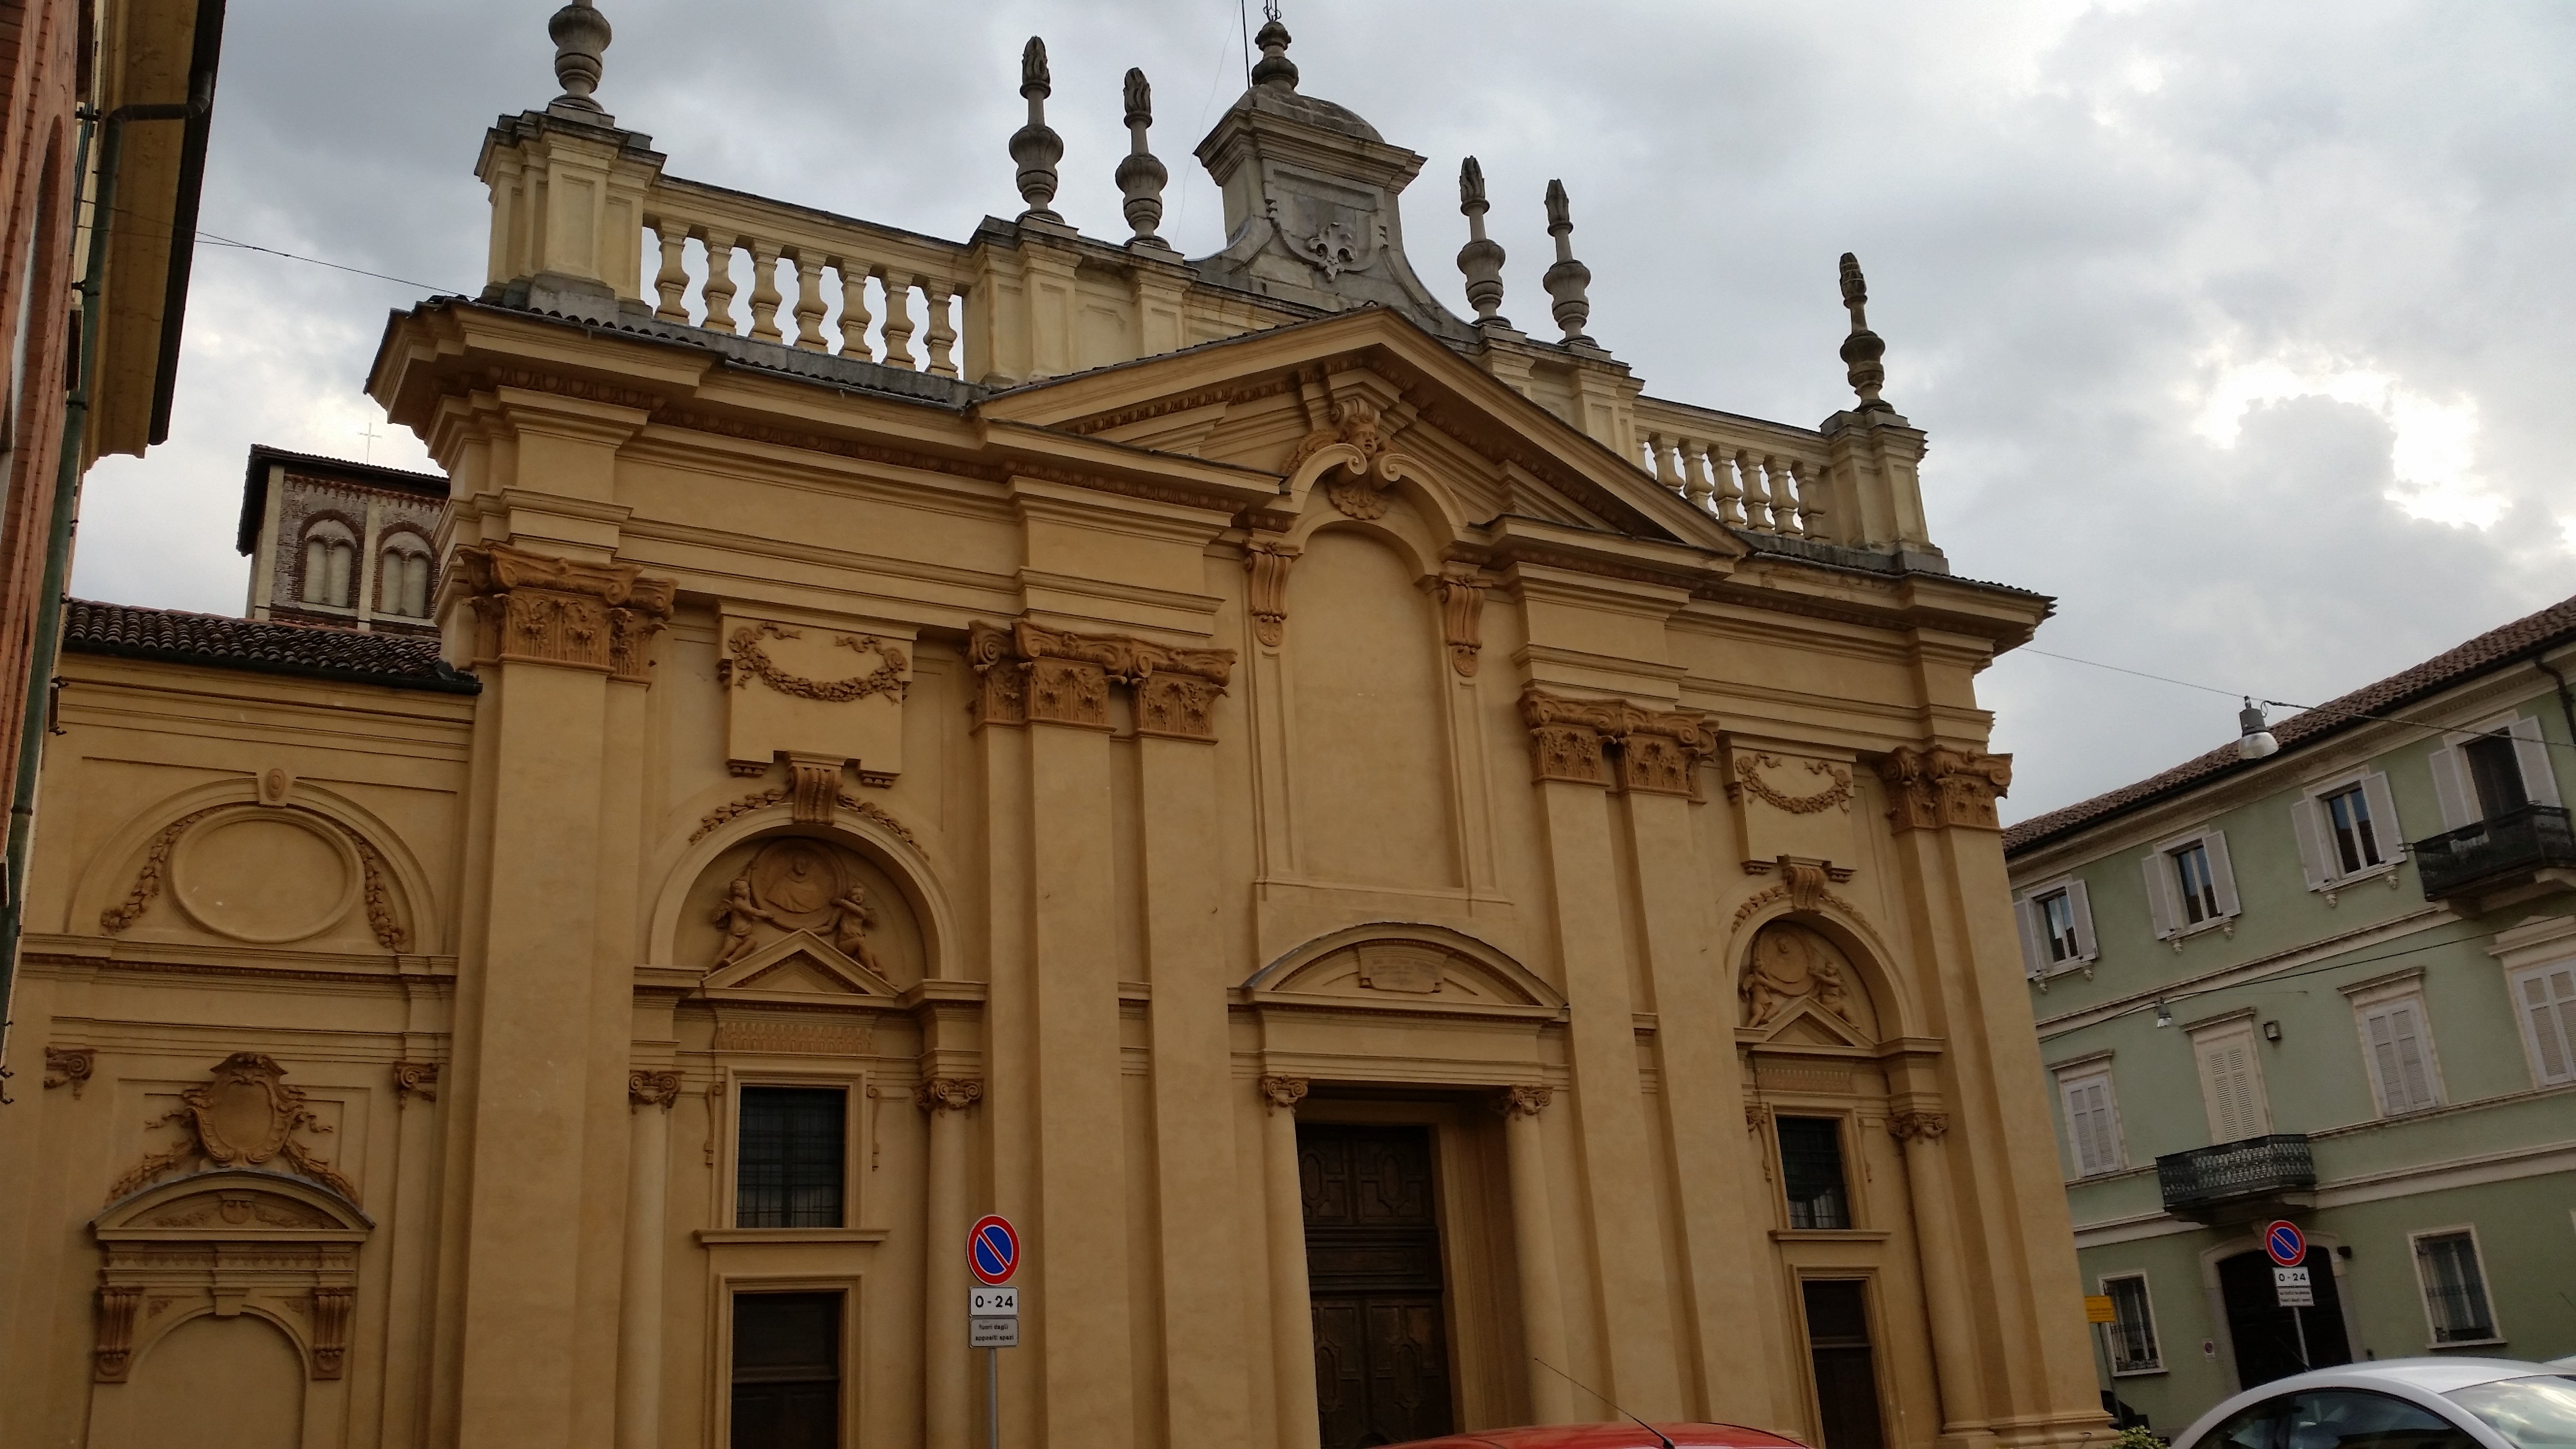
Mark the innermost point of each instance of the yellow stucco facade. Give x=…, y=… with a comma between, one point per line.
x=1257, y=752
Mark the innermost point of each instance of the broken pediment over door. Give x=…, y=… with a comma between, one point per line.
x=817, y=692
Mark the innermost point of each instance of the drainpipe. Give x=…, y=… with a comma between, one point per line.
x=47, y=648
x=2566, y=700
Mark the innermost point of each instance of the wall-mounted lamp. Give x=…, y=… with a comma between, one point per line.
x=2164, y=1013
x=2271, y=1031
x=2253, y=737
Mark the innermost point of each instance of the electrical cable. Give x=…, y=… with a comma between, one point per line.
x=2268, y=978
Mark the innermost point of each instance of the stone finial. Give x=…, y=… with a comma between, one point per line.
x=1568, y=280
x=1036, y=146
x=580, y=34
x=1481, y=258
x=1274, y=67
x=1140, y=177
x=1863, y=348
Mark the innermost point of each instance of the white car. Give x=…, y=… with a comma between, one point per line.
x=2407, y=1403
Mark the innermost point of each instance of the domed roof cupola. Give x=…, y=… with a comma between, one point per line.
x=1310, y=199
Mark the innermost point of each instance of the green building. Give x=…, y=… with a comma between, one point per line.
x=2335, y=984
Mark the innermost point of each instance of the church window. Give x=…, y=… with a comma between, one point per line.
x=330, y=559
x=786, y=1370
x=402, y=583
x=1811, y=1169
x=788, y=1167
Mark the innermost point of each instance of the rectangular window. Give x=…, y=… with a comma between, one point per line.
x=2455, y=1287
x=2545, y=998
x=788, y=1165
x=2495, y=775
x=2199, y=888
x=2231, y=1082
x=2356, y=838
x=1811, y=1170
x=2091, y=1126
x=2057, y=922
x=1846, y=1378
x=2401, y=1056
x=786, y=1370
x=2133, y=1326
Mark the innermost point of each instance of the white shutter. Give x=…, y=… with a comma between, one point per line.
x=2088, y=1125
x=2034, y=952
x=2160, y=892
x=2383, y=817
x=2549, y=1010
x=2082, y=905
x=2312, y=852
x=2222, y=875
x=2451, y=789
x=2228, y=1086
x=2397, y=1049
x=2539, y=781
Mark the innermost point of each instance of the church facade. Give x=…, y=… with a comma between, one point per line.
x=1427, y=883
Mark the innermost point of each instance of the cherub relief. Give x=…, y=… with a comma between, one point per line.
x=1789, y=966
x=738, y=915
x=797, y=885
x=850, y=927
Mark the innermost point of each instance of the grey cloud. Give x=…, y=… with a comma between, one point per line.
x=2066, y=213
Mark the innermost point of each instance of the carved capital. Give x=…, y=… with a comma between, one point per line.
x=538, y=609
x=1656, y=751
x=69, y=1067
x=948, y=1094
x=415, y=1079
x=1757, y=1115
x=1032, y=674
x=1268, y=596
x=115, y=1350
x=1523, y=1101
x=652, y=1089
x=1941, y=787
x=1283, y=1093
x=1919, y=1126
x=1462, y=610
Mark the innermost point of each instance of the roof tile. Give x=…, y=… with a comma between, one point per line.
x=216, y=640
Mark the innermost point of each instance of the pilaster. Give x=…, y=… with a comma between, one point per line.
x=1534, y=1254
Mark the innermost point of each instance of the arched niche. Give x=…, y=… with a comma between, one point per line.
x=1797, y=985
x=1861, y=954
x=170, y=1256
x=915, y=922
x=265, y=860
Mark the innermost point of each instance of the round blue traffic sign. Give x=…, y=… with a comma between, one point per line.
x=2287, y=1245
x=993, y=1250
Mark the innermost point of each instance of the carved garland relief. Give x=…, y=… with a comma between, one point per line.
x=1034, y=675
x=1656, y=751
x=1748, y=781
x=783, y=794
x=243, y=1115
x=748, y=661
x=374, y=892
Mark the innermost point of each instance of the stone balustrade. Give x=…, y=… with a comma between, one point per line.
x=1748, y=473
x=910, y=319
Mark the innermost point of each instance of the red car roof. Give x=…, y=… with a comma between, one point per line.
x=1610, y=1436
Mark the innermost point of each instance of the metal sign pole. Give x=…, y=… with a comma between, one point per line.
x=2299, y=1322
x=993, y=1397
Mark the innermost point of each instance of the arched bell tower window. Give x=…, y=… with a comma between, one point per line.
x=329, y=565
x=402, y=577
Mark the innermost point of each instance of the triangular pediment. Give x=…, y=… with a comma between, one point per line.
x=799, y=964
x=1807, y=1024
x=1250, y=401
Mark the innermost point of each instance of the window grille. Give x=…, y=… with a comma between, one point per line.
x=2133, y=1328
x=2455, y=1289
x=788, y=1165
x=1811, y=1170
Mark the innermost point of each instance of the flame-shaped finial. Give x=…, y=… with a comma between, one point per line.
x=1034, y=81
x=1863, y=348
x=1141, y=176
x=1481, y=258
x=1568, y=282
x=1036, y=146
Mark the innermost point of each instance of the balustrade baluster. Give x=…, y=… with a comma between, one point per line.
x=942, y=334
x=1695, y=484
x=809, y=302
x=898, y=321
x=1730, y=494
x=1662, y=452
x=1809, y=510
x=1785, y=508
x=719, y=286
x=1757, y=493
x=672, y=282
x=854, y=309
x=764, y=292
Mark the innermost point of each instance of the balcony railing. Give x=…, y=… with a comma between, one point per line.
x=2256, y=1168
x=2503, y=851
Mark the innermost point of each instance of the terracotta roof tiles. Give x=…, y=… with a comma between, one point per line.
x=221, y=642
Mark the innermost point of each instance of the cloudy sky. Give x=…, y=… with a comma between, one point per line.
x=2245, y=331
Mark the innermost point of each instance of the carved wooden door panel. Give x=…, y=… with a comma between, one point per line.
x=1373, y=1268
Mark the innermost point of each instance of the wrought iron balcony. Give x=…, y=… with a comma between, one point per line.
x=2508, y=850
x=2209, y=1182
